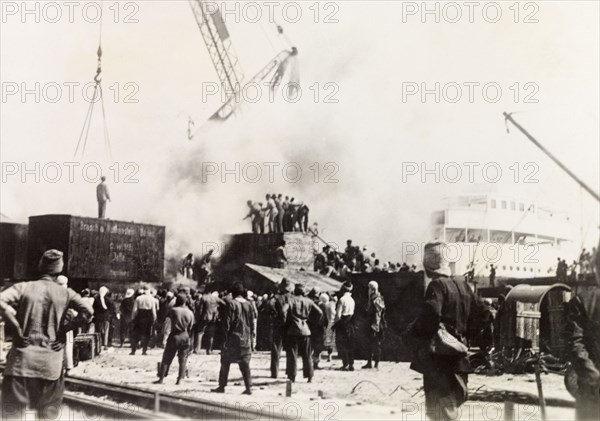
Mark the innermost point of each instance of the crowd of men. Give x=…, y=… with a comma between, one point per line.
x=353, y=259
x=578, y=269
x=278, y=214
x=42, y=313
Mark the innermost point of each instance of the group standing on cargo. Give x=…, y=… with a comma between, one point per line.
x=278, y=214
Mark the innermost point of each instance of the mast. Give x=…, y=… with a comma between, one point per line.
x=508, y=117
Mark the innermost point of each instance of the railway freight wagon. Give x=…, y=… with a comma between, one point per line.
x=99, y=250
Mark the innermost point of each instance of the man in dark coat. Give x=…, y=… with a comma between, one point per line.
x=298, y=333
x=277, y=306
x=182, y=321
x=39, y=313
x=583, y=332
x=453, y=304
x=238, y=325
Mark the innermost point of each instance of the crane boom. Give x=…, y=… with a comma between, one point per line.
x=260, y=76
x=217, y=40
x=594, y=194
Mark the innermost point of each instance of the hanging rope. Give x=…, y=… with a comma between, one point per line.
x=98, y=95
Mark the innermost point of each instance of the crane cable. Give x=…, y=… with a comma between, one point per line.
x=98, y=94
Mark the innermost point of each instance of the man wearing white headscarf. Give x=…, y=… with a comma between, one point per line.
x=453, y=304
x=375, y=312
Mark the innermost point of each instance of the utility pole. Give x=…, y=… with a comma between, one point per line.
x=508, y=117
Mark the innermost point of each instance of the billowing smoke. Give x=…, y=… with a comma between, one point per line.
x=351, y=133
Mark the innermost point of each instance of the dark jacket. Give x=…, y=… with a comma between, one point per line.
x=238, y=326
x=127, y=308
x=583, y=332
x=102, y=314
x=278, y=305
x=450, y=302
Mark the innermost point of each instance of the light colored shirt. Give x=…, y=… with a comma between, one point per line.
x=345, y=306
x=144, y=302
x=40, y=307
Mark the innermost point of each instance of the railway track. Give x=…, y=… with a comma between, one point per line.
x=123, y=402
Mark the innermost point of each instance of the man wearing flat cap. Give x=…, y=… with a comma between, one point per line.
x=34, y=375
x=452, y=304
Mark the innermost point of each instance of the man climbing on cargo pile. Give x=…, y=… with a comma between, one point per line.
x=34, y=373
x=256, y=216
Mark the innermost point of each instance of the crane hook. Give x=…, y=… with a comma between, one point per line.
x=97, y=78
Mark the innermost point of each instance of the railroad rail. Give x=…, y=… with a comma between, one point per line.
x=128, y=402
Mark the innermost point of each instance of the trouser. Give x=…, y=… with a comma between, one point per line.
x=244, y=364
x=103, y=327
x=298, y=345
x=272, y=222
x=445, y=392
x=21, y=393
x=209, y=328
x=142, y=329
x=102, y=210
x=124, y=330
x=318, y=345
x=345, y=349
x=276, y=347
x=176, y=344
x=303, y=222
x=344, y=340
x=376, y=338
x=256, y=225
x=280, y=221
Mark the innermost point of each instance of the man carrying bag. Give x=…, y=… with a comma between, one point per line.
x=441, y=355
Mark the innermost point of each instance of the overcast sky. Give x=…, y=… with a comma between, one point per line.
x=367, y=56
